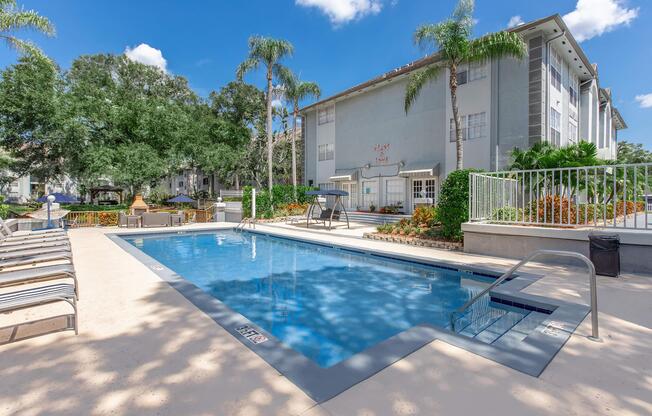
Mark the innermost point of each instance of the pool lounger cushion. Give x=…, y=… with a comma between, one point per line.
x=32, y=252
x=61, y=292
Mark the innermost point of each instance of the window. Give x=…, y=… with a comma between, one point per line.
x=326, y=151
x=477, y=70
x=327, y=114
x=180, y=184
x=473, y=126
x=555, y=127
x=205, y=181
x=462, y=77
x=572, y=132
x=476, y=126
x=369, y=193
x=555, y=69
x=424, y=191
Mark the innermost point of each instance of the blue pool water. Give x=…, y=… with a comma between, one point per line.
x=325, y=303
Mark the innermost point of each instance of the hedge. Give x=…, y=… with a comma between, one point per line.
x=453, y=209
x=281, y=195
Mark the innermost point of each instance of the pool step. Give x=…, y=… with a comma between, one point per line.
x=521, y=330
x=472, y=326
x=500, y=327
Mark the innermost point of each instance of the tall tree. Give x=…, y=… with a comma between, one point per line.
x=453, y=39
x=13, y=19
x=633, y=153
x=268, y=52
x=296, y=90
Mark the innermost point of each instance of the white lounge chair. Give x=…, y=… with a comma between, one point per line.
x=61, y=292
x=29, y=245
x=39, y=274
x=36, y=259
x=9, y=235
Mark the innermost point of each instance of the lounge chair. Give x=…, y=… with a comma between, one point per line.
x=35, y=259
x=61, y=292
x=29, y=245
x=39, y=274
x=14, y=242
x=31, y=252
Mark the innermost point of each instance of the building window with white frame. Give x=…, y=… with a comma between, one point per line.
x=572, y=132
x=555, y=127
x=573, y=88
x=326, y=114
x=473, y=126
x=555, y=70
x=477, y=70
x=326, y=152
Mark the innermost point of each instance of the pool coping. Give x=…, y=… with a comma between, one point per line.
x=530, y=356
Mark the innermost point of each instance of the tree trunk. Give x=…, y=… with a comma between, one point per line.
x=294, y=149
x=270, y=138
x=456, y=117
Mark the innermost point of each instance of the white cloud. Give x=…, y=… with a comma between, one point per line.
x=515, y=21
x=147, y=55
x=343, y=11
x=592, y=18
x=644, y=100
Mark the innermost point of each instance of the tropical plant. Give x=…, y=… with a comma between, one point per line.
x=13, y=19
x=633, y=153
x=453, y=209
x=296, y=90
x=267, y=52
x=453, y=39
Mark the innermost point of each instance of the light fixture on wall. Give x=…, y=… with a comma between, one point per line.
x=367, y=166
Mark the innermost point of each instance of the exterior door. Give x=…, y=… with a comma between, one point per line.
x=424, y=192
x=370, y=194
x=395, y=192
x=350, y=202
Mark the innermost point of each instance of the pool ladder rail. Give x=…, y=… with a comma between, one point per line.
x=251, y=222
x=555, y=253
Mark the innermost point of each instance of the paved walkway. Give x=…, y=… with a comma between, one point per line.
x=143, y=349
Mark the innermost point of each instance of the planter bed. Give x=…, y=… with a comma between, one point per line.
x=415, y=241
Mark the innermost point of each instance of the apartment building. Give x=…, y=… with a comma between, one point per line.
x=361, y=140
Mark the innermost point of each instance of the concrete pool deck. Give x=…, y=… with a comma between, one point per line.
x=144, y=349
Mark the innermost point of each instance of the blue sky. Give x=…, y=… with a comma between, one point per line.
x=339, y=43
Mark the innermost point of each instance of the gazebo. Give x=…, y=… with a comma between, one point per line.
x=97, y=190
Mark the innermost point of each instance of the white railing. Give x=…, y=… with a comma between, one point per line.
x=609, y=196
x=224, y=193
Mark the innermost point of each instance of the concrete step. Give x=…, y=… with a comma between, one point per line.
x=521, y=330
x=501, y=326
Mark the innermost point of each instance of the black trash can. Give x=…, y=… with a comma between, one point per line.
x=605, y=253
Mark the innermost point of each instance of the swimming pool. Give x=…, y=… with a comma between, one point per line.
x=328, y=304
x=328, y=315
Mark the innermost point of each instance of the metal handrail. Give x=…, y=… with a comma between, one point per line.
x=244, y=223
x=592, y=284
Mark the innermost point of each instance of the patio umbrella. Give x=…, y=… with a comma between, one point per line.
x=60, y=198
x=181, y=199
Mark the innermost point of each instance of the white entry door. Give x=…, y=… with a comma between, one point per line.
x=370, y=194
x=424, y=192
x=350, y=202
x=395, y=192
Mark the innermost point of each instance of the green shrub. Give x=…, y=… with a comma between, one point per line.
x=453, y=207
x=507, y=214
x=282, y=195
x=90, y=207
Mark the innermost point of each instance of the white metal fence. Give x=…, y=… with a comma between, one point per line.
x=610, y=196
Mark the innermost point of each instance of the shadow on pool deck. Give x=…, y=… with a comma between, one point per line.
x=144, y=350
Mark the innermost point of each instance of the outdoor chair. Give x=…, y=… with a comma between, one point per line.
x=31, y=252
x=9, y=241
x=155, y=219
x=39, y=274
x=61, y=292
x=36, y=258
x=28, y=245
x=293, y=219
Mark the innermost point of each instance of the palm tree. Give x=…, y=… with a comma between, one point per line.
x=13, y=19
x=296, y=90
x=268, y=52
x=453, y=39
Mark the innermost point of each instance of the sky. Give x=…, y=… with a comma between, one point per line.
x=338, y=43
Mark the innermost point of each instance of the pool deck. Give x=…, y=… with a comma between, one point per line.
x=144, y=349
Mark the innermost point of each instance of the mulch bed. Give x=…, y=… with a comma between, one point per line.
x=415, y=241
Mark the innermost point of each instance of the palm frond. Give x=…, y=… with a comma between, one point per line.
x=497, y=45
x=287, y=77
x=7, y=3
x=463, y=13
x=269, y=50
x=417, y=81
x=248, y=65
x=29, y=19
x=307, y=89
x=21, y=46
